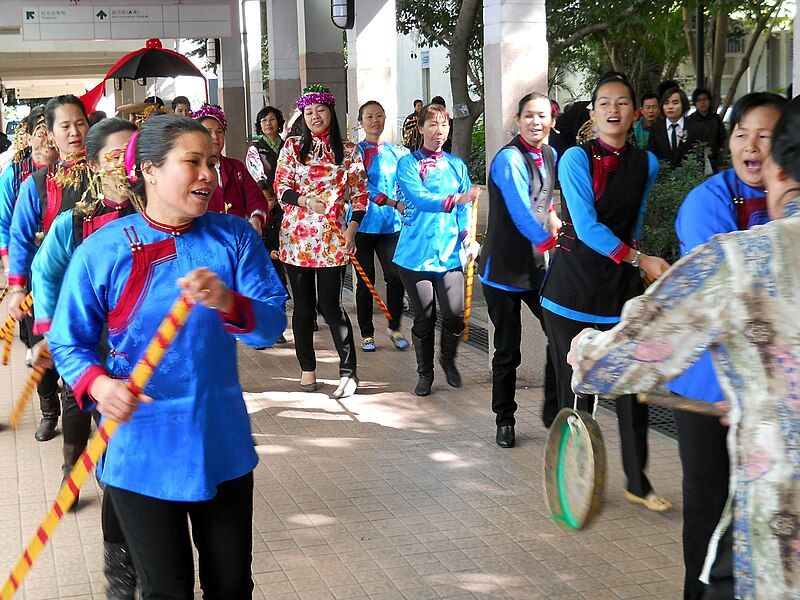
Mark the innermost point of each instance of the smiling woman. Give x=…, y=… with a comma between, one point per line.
x=185, y=450
x=595, y=267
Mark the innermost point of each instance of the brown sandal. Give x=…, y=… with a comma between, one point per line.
x=652, y=502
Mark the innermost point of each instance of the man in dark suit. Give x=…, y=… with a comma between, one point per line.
x=673, y=135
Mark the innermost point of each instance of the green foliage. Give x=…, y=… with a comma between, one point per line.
x=666, y=196
x=477, y=154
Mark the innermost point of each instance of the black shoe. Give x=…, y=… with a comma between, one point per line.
x=47, y=429
x=119, y=571
x=281, y=340
x=447, y=358
x=424, y=385
x=505, y=436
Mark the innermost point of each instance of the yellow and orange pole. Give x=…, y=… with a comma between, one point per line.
x=7, y=329
x=359, y=269
x=98, y=443
x=33, y=380
x=473, y=230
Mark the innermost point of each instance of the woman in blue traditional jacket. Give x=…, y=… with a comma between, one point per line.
x=184, y=452
x=596, y=266
x=733, y=200
x=435, y=245
x=380, y=228
x=107, y=199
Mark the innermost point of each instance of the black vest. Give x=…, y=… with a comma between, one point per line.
x=269, y=161
x=508, y=257
x=580, y=278
x=84, y=225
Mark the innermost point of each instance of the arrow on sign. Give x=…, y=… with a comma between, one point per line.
x=30, y=15
x=101, y=15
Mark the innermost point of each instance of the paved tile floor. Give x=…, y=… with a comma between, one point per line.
x=383, y=495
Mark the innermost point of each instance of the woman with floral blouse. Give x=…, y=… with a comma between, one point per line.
x=317, y=174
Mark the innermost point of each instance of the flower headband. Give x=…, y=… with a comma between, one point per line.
x=315, y=94
x=208, y=110
x=129, y=158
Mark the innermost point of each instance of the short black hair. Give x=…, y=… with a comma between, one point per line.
x=364, y=106
x=649, y=96
x=701, y=91
x=681, y=94
x=99, y=133
x=264, y=112
x=613, y=77
x=154, y=100
x=29, y=122
x=533, y=96
x=750, y=101
x=418, y=100
x=664, y=86
x=180, y=100
x=786, y=140
x=438, y=100
x=55, y=102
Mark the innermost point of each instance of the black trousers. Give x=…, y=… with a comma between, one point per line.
x=47, y=388
x=383, y=245
x=631, y=415
x=425, y=289
x=75, y=423
x=322, y=287
x=720, y=578
x=157, y=533
x=706, y=470
x=504, y=311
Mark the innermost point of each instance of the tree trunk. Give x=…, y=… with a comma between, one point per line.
x=720, y=47
x=761, y=24
x=459, y=69
x=688, y=34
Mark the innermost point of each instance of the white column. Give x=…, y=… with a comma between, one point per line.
x=231, y=88
x=251, y=32
x=284, y=55
x=321, y=46
x=796, y=52
x=515, y=56
x=372, y=62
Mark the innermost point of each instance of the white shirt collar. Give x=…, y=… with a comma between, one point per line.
x=680, y=122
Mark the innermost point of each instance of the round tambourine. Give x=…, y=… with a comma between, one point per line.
x=574, y=469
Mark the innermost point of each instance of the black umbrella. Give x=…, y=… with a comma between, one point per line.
x=153, y=61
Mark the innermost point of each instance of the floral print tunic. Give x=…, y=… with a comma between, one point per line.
x=738, y=295
x=306, y=237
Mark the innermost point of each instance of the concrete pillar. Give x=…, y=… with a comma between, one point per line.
x=251, y=34
x=372, y=62
x=515, y=53
x=321, y=52
x=231, y=88
x=796, y=57
x=284, y=55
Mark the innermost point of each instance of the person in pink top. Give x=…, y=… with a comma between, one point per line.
x=318, y=174
x=237, y=192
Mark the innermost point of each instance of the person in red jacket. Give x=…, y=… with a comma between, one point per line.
x=237, y=192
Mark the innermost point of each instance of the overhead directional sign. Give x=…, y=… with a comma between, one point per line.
x=104, y=21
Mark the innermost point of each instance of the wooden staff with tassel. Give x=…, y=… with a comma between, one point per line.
x=473, y=230
x=34, y=379
x=141, y=374
x=359, y=269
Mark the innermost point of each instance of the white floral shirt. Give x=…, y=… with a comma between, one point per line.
x=739, y=295
x=306, y=237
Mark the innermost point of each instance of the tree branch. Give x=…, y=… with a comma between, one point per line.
x=597, y=27
x=427, y=30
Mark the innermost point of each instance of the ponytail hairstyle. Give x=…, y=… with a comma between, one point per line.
x=55, y=102
x=614, y=77
x=319, y=94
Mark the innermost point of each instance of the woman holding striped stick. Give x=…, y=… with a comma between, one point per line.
x=184, y=452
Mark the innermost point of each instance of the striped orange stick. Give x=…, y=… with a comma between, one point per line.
x=141, y=374
x=7, y=330
x=4, y=293
x=360, y=270
x=33, y=380
x=473, y=230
